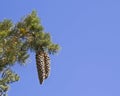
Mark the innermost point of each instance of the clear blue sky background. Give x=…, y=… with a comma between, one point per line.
x=89, y=34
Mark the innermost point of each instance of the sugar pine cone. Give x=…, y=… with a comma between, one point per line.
x=40, y=66
x=47, y=64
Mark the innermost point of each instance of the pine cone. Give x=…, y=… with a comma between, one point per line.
x=40, y=66
x=47, y=64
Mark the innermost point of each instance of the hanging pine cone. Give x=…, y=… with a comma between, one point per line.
x=47, y=64
x=40, y=66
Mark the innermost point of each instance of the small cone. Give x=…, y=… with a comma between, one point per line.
x=47, y=64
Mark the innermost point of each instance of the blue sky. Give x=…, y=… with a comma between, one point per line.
x=89, y=34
